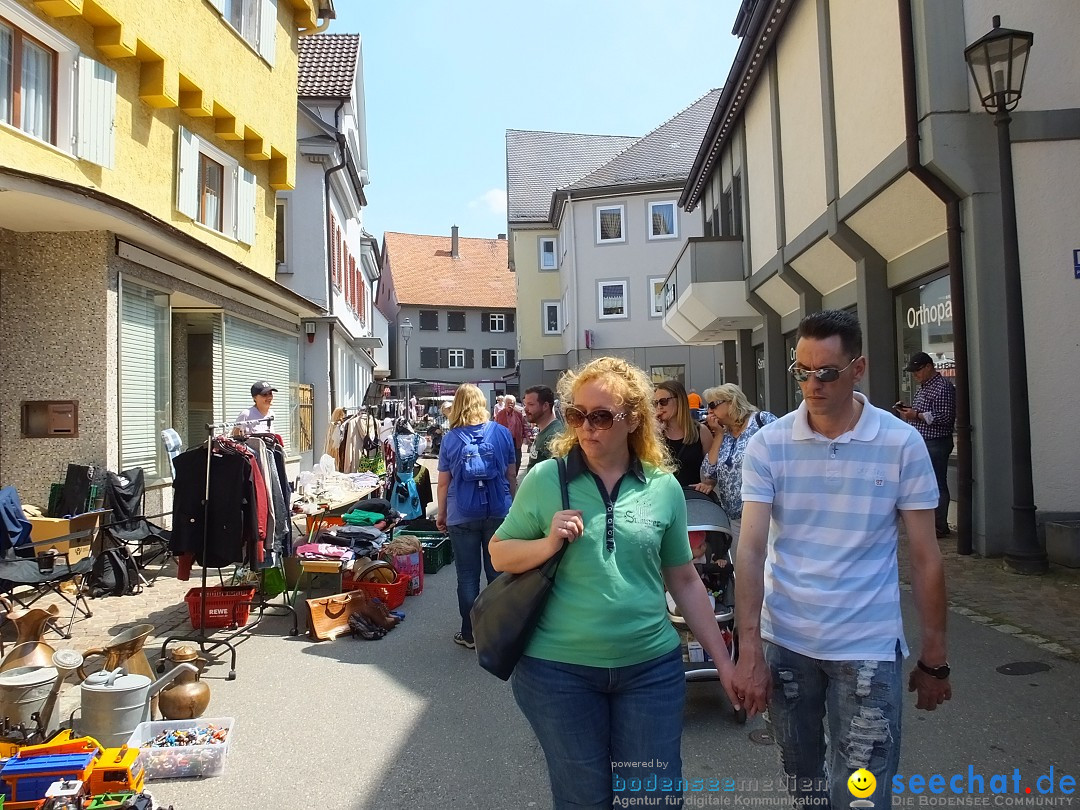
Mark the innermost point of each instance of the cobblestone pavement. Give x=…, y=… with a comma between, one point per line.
x=1044, y=610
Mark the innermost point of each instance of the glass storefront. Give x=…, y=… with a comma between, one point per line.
x=794, y=393
x=759, y=370
x=924, y=324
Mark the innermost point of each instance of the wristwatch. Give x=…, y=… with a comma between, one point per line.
x=941, y=673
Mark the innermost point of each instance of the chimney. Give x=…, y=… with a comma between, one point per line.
x=453, y=242
x=502, y=236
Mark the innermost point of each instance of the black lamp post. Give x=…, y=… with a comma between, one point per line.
x=998, y=62
x=406, y=333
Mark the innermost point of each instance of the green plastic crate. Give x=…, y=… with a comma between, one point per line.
x=437, y=550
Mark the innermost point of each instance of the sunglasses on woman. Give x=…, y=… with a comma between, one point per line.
x=827, y=374
x=716, y=403
x=661, y=402
x=601, y=418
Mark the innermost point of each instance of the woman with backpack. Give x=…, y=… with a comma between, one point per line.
x=476, y=484
x=733, y=421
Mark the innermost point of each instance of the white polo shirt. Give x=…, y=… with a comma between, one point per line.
x=831, y=580
x=249, y=414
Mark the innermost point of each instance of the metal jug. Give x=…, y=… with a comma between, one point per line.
x=115, y=702
x=24, y=691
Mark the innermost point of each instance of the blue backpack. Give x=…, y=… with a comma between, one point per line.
x=480, y=492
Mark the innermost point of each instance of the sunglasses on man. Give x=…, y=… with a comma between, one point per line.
x=826, y=374
x=600, y=418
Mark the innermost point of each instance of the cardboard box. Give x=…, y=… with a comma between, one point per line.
x=43, y=529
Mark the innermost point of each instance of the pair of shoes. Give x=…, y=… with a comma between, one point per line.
x=944, y=532
x=464, y=642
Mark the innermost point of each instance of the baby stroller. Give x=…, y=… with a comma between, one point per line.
x=710, y=538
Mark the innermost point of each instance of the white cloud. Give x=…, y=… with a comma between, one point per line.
x=494, y=200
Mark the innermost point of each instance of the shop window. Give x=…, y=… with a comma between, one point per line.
x=659, y=374
x=924, y=318
x=145, y=378
x=429, y=320
x=455, y=321
x=611, y=300
x=663, y=223
x=609, y=224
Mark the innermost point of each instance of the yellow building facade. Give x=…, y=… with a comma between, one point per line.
x=141, y=146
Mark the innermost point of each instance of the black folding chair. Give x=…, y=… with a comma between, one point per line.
x=41, y=570
x=129, y=527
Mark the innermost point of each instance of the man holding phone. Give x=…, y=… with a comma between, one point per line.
x=933, y=414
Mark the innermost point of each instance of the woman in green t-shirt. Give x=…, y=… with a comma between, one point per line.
x=602, y=681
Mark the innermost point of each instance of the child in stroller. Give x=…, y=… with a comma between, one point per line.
x=710, y=541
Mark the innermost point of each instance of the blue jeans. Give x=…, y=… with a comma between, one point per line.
x=940, y=450
x=592, y=721
x=860, y=700
x=469, y=542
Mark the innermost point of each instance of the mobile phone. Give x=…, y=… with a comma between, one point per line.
x=900, y=405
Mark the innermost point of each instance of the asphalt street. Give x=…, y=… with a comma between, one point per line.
x=411, y=721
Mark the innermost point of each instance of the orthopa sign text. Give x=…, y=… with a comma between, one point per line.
x=935, y=314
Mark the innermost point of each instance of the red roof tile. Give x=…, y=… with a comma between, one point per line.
x=425, y=273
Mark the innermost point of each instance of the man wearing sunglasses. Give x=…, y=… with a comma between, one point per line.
x=818, y=596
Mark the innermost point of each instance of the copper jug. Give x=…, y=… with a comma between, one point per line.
x=30, y=649
x=186, y=697
x=125, y=649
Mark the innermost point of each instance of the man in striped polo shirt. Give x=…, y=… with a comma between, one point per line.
x=933, y=414
x=817, y=595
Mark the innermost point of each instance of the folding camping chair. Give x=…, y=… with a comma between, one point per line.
x=129, y=528
x=41, y=569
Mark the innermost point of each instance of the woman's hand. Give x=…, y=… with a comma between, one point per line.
x=566, y=524
x=705, y=487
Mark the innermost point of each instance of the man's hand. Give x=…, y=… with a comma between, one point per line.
x=440, y=520
x=752, y=680
x=932, y=692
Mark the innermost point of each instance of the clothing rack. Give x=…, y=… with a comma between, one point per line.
x=205, y=642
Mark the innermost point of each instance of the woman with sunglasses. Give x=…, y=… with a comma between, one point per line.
x=733, y=421
x=601, y=682
x=687, y=441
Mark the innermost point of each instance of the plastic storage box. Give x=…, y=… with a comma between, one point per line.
x=437, y=550
x=179, y=762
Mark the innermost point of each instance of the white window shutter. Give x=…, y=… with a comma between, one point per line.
x=268, y=30
x=96, y=107
x=187, y=174
x=219, y=5
x=245, y=207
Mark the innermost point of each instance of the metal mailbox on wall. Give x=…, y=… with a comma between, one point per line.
x=50, y=419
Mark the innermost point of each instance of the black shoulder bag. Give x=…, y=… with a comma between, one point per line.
x=508, y=610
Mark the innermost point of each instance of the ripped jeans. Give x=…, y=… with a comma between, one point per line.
x=860, y=700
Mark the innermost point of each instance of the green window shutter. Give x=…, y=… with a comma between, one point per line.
x=485, y=322
x=510, y=358
x=509, y=321
x=252, y=353
x=145, y=378
x=470, y=358
x=444, y=358
x=485, y=358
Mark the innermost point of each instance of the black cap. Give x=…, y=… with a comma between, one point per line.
x=261, y=387
x=918, y=360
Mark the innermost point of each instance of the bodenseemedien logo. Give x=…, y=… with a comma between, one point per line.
x=861, y=784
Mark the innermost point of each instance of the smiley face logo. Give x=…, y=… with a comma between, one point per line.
x=861, y=783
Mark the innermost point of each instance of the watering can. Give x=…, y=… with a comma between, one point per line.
x=114, y=702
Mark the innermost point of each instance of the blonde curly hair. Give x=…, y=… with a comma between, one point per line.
x=631, y=389
x=469, y=408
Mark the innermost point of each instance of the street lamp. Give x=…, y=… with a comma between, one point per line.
x=406, y=333
x=998, y=62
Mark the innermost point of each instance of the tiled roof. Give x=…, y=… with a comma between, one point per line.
x=425, y=273
x=538, y=163
x=666, y=153
x=328, y=65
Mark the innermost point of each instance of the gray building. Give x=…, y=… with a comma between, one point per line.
x=458, y=295
x=595, y=227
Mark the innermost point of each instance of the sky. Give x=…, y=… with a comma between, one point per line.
x=444, y=81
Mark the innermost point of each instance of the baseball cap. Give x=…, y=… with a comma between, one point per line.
x=261, y=387
x=917, y=361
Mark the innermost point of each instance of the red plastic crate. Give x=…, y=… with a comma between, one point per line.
x=391, y=593
x=225, y=607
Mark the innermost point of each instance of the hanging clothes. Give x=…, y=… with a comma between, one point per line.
x=403, y=495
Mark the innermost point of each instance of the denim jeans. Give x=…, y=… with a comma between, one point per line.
x=592, y=721
x=469, y=542
x=940, y=450
x=861, y=701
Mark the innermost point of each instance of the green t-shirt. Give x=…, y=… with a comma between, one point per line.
x=607, y=608
x=541, y=448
